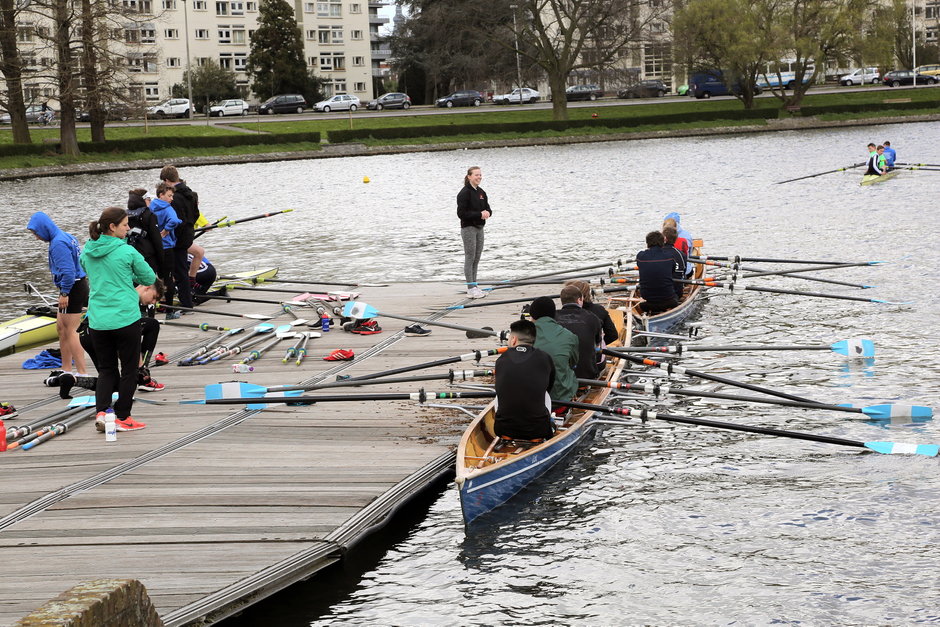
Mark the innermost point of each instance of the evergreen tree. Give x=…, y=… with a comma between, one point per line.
x=276, y=61
x=211, y=83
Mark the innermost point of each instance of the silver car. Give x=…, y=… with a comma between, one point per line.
x=229, y=107
x=340, y=102
x=32, y=115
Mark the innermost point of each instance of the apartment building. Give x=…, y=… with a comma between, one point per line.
x=159, y=39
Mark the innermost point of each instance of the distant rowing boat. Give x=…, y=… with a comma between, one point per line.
x=871, y=179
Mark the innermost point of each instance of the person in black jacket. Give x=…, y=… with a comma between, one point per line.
x=186, y=205
x=144, y=234
x=678, y=272
x=524, y=376
x=610, y=329
x=473, y=209
x=586, y=326
x=656, y=266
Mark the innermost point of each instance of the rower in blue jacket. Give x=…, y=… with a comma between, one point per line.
x=890, y=155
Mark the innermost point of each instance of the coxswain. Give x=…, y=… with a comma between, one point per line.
x=524, y=376
x=656, y=265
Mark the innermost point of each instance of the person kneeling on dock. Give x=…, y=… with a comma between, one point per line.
x=524, y=376
x=656, y=265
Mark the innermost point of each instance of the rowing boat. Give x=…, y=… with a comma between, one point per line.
x=871, y=179
x=247, y=278
x=488, y=476
x=25, y=331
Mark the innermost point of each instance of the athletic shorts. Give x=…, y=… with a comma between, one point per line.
x=78, y=297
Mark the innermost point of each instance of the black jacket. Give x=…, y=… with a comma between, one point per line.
x=587, y=327
x=656, y=267
x=471, y=203
x=186, y=204
x=145, y=235
x=524, y=375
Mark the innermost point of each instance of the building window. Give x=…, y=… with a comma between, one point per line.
x=336, y=34
x=225, y=61
x=24, y=34
x=238, y=35
x=225, y=34
x=171, y=33
x=221, y=8
x=310, y=7
x=138, y=6
x=932, y=12
x=151, y=91
x=202, y=33
x=237, y=7
x=169, y=5
x=356, y=35
x=173, y=62
x=355, y=8
x=251, y=7
x=329, y=9
x=323, y=36
x=339, y=87
x=199, y=5
x=203, y=61
x=311, y=34
x=657, y=61
x=359, y=61
x=339, y=63
x=241, y=61
x=148, y=35
x=132, y=36
x=311, y=61
x=359, y=86
x=326, y=63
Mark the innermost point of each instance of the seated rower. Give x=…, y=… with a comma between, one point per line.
x=678, y=272
x=586, y=326
x=203, y=279
x=524, y=376
x=873, y=167
x=560, y=343
x=607, y=324
x=684, y=240
x=656, y=265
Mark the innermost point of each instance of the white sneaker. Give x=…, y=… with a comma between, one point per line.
x=478, y=293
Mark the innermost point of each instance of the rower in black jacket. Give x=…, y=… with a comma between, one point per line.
x=656, y=266
x=524, y=376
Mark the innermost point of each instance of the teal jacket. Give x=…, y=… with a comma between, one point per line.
x=562, y=345
x=113, y=267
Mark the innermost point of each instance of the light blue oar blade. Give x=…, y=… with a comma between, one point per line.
x=892, y=302
x=901, y=448
x=898, y=411
x=234, y=389
x=264, y=327
x=454, y=307
x=82, y=401
x=359, y=310
x=277, y=394
x=856, y=347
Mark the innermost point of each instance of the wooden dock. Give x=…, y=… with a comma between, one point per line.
x=214, y=507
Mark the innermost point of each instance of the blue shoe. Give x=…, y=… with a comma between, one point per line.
x=173, y=315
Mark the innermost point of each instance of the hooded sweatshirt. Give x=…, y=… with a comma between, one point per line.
x=63, y=251
x=113, y=267
x=166, y=220
x=684, y=234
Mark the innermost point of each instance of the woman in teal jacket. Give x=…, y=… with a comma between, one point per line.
x=113, y=267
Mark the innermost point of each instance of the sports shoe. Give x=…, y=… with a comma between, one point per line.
x=99, y=421
x=129, y=424
x=146, y=383
x=478, y=293
x=173, y=315
x=367, y=327
x=160, y=359
x=53, y=381
x=6, y=409
x=340, y=354
x=417, y=330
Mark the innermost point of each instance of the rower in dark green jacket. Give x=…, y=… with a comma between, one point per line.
x=558, y=342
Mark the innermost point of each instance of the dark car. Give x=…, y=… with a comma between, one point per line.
x=463, y=98
x=112, y=112
x=711, y=83
x=391, y=100
x=644, y=89
x=906, y=77
x=283, y=103
x=583, y=92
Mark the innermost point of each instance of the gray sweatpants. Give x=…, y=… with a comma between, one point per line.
x=472, y=249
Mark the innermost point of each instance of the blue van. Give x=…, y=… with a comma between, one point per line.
x=709, y=83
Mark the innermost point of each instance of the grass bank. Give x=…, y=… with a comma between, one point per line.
x=486, y=117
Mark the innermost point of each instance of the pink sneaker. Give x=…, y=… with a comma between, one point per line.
x=129, y=424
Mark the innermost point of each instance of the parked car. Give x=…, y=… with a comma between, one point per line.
x=861, y=76
x=583, y=92
x=229, y=107
x=906, y=77
x=172, y=108
x=644, y=89
x=929, y=70
x=527, y=95
x=711, y=83
x=463, y=98
x=283, y=103
x=32, y=115
x=112, y=112
x=391, y=100
x=339, y=102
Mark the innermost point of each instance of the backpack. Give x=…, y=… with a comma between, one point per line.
x=138, y=227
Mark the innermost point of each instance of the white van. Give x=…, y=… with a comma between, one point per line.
x=862, y=76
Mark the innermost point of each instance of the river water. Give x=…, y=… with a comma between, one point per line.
x=646, y=524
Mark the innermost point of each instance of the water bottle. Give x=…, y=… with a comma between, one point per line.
x=242, y=368
x=325, y=323
x=110, y=426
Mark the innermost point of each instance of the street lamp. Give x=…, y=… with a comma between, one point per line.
x=189, y=66
x=913, y=44
x=515, y=30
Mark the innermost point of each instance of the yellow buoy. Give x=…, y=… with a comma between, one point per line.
x=365, y=179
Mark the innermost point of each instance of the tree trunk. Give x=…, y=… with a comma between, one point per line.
x=11, y=67
x=93, y=103
x=556, y=82
x=63, y=28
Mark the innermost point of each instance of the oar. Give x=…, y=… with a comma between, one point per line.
x=32, y=289
x=231, y=349
x=223, y=223
x=202, y=326
x=474, y=356
x=881, y=412
x=451, y=376
x=528, y=299
x=932, y=165
x=422, y=396
x=256, y=354
x=57, y=429
x=257, y=281
x=810, y=176
x=759, y=272
x=242, y=299
x=19, y=431
x=619, y=263
x=673, y=368
x=302, y=349
x=188, y=361
x=888, y=448
x=739, y=259
x=221, y=313
x=918, y=168
x=738, y=286
x=855, y=347
x=360, y=310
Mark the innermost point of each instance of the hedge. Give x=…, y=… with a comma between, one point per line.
x=345, y=135
x=143, y=144
x=869, y=106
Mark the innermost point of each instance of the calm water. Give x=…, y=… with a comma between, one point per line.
x=648, y=524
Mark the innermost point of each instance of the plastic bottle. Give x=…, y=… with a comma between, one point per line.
x=242, y=368
x=110, y=426
x=325, y=323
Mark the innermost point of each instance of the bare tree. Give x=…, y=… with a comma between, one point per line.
x=11, y=65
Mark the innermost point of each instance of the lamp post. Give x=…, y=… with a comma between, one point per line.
x=515, y=31
x=913, y=44
x=189, y=66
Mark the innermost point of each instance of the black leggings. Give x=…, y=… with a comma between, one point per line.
x=112, y=346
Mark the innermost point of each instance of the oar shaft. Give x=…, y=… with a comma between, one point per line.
x=775, y=290
x=202, y=326
x=453, y=375
x=217, y=313
x=421, y=397
x=223, y=223
x=678, y=349
x=436, y=323
x=810, y=176
x=242, y=299
x=763, y=260
x=292, y=281
x=474, y=356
